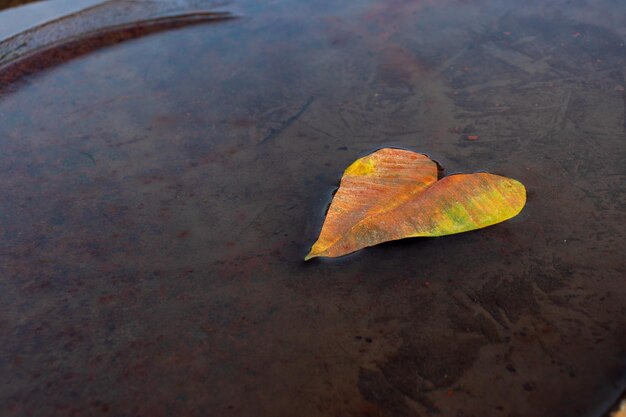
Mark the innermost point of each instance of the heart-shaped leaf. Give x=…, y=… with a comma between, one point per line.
x=394, y=194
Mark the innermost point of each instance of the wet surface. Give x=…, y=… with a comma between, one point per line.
x=158, y=195
x=7, y=4
x=18, y=20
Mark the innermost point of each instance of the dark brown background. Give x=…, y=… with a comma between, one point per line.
x=158, y=194
x=5, y=4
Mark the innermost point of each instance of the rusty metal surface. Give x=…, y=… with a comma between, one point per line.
x=56, y=26
x=158, y=195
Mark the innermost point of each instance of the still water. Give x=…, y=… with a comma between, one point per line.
x=161, y=185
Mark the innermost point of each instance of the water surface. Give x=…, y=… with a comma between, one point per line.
x=158, y=194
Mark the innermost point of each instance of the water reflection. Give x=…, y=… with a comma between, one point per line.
x=27, y=15
x=17, y=68
x=158, y=197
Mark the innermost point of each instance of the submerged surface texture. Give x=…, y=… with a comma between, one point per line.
x=160, y=188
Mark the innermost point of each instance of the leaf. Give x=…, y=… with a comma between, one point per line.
x=394, y=194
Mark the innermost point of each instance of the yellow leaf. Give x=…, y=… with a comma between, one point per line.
x=394, y=194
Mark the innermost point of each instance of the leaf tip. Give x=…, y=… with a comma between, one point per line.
x=309, y=256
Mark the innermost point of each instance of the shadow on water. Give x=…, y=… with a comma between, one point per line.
x=158, y=195
x=6, y=4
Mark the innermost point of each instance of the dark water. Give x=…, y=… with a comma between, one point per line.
x=158, y=194
x=5, y=4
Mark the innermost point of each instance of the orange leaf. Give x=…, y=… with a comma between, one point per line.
x=394, y=194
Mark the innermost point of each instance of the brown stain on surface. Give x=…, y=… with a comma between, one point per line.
x=108, y=307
